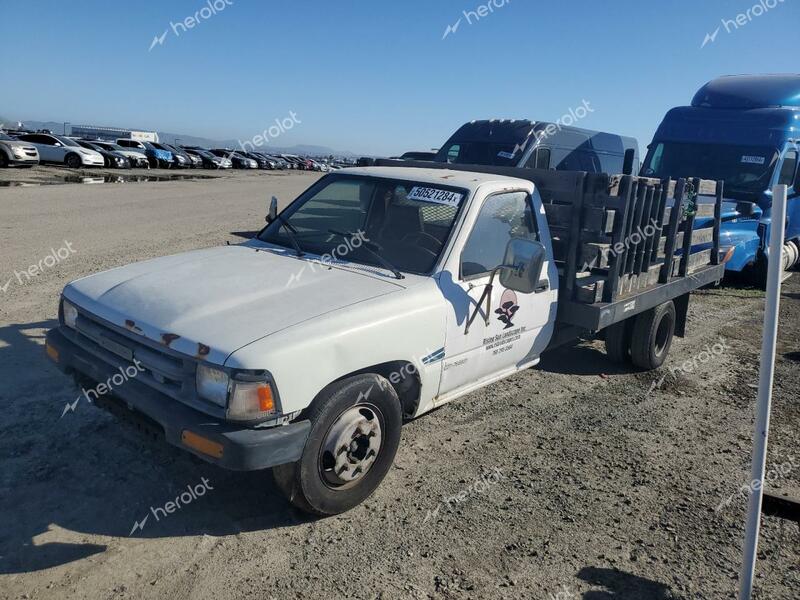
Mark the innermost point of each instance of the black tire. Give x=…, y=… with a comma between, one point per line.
x=3, y=160
x=652, y=335
x=618, y=341
x=312, y=483
x=73, y=161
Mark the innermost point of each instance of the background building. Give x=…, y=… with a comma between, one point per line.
x=112, y=133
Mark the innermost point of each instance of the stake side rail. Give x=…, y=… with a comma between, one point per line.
x=622, y=244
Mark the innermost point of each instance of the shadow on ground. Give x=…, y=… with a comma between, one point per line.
x=622, y=586
x=69, y=476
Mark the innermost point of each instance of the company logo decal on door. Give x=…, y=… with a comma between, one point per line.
x=508, y=308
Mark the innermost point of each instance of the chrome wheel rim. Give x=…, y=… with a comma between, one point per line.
x=351, y=446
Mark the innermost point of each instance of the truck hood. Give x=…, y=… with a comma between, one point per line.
x=221, y=299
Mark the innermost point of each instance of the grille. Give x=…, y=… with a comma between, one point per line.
x=164, y=370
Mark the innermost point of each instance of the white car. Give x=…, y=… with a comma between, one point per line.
x=62, y=150
x=16, y=153
x=371, y=299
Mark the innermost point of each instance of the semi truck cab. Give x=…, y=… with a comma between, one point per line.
x=745, y=131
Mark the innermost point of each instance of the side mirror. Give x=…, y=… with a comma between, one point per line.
x=627, y=162
x=521, y=271
x=273, y=210
x=522, y=266
x=57, y=144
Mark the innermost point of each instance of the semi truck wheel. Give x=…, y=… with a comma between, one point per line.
x=355, y=432
x=618, y=341
x=652, y=336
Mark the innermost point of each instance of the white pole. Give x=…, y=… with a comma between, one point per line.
x=765, y=375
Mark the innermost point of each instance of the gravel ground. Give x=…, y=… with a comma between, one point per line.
x=574, y=480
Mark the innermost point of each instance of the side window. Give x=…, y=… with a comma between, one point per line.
x=788, y=168
x=502, y=217
x=590, y=162
x=46, y=139
x=453, y=152
x=540, y=159
x=571, y=162
x=611, y=163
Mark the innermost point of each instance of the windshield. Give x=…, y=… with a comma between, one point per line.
x=482, y=153
x=746, y=170
x=405, y=222
x=66, y=141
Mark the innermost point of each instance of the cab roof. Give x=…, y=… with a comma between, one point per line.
x=463, y=179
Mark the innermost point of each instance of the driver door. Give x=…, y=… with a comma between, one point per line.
x=517, y=327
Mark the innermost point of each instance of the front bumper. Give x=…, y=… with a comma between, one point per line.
x=27, y=161
x=231, y=446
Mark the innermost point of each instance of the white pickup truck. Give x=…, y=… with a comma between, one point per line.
x=371, y=299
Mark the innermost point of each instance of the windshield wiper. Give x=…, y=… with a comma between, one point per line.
x=290, y=233
x=373, y=250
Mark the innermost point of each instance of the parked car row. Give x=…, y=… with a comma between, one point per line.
x=25, y=148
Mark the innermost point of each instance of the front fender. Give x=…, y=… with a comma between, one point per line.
x=743, y=237
x=404, y=326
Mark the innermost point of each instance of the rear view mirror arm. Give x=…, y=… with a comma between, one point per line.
x=486, y=295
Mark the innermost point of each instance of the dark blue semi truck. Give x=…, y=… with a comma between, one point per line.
x=745, y=131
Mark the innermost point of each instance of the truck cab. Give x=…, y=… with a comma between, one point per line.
x=745, y=131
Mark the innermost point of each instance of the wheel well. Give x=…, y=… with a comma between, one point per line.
x=403, y=376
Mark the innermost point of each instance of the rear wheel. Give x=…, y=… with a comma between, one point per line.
x=618, y=341
x=355, y=432
x=652, y=335
x=73, y=161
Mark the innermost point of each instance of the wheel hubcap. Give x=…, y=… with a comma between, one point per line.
x=351, y=445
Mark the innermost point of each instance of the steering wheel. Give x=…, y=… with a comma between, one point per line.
x=427, y=241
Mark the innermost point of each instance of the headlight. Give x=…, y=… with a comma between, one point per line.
x=250, y=400
x=212, y=384
x=70, y=314
x=18, y=151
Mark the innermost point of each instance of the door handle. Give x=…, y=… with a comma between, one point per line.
x=542, y=286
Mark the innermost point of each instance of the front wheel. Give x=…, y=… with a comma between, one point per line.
x=73, y=161
x=355, y=432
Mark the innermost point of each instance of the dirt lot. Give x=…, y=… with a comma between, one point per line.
x=594, y=482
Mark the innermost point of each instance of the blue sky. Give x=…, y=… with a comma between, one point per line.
x=376, y=77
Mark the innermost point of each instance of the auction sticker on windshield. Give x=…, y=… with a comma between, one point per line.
x=436, y=195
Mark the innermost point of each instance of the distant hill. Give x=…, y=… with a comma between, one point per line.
x=191, y=140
